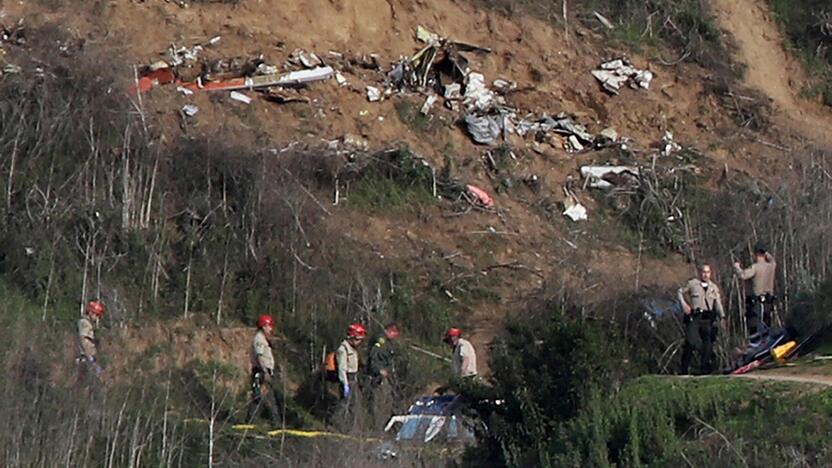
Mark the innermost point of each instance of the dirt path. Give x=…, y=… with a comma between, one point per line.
x=771, y=69
x=824, y=380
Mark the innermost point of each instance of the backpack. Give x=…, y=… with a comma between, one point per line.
x=330, y=367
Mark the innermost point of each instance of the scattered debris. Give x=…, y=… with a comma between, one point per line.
x=610, y=134
x=14, y=35
x=190, y=110
x=185, y=91
x=614, y=74
x=429, y=101
x=238, y=96
x=576, y=135
x=305, y=59
x=480, y=196
x=573, y=209
x=431, y=416
x=453, y=91
x=373, y=94
x=340, y=79
x=477, y=97
x=603, y=20
x=607, y=177
x=11, y=69
x=284, y=96
x=668, y=146
x=485, y=129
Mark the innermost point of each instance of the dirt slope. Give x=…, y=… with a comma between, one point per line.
x=771, y=69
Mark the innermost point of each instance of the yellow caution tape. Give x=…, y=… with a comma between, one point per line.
x=243, y=427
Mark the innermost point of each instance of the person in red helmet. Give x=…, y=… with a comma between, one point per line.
x=346, y=359
x=262, y=372
x=464, y=360
x=87, y=344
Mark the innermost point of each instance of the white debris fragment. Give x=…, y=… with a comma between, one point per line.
x=190, y=110
x=185, y=91
x=616, y=73
x=603, y=20
x=265, y=69
x=453, y=91
x=574, y=144
x=373, y=94
x=340, y=79
x=607, y=177
x=307, y=59
x=668, y=145
x=305, y=76
x=477, y=96
x=484, y=129
x=429, y=101
x=214, y=40
x=238, y=96
x=576, y=212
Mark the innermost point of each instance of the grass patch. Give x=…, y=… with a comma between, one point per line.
x=410, y=114
x=807, y=25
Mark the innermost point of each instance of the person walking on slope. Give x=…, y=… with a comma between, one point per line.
x=700, y=315
x=760, y=302
x=464, y=359
x=262, y=372
x=87, y=344
x=381, y=369
x=347, y=362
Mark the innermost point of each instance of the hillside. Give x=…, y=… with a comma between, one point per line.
x=321, y=206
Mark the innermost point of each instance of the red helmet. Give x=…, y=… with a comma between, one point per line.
x=264, y=320
x=95, y=308
x=453, y=333
x=356, y=330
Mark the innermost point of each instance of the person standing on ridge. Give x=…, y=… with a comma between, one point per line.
x=262, y=372
x=87, y=344
x=381, y=369
x=760, y=303
x=347, y=362
x=700, y=318
x=464, y=359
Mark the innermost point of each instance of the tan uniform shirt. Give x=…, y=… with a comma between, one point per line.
x=761, y=275
x=86, y=337
x=261, y=353
x=464, y=349
x=346, y=357
x=702, y=298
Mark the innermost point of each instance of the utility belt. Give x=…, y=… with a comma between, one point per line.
x=704, y=314
x=761, y=299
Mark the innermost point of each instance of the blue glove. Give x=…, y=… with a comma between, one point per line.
x=95, y=366
x=346, y=390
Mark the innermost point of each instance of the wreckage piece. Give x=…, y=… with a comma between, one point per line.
x=573, y=209
x=373, y=94
x=608, y=177
x=295, y=78
x=240, y=97
x=428, y=104
x=480, y=196
x=305, y=59
x=284, y=96
x=616, y=73
x=477, y=97
x=429, y=417
x=484, y=129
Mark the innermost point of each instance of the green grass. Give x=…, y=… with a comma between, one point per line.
x=799, y=21
x=663, y=421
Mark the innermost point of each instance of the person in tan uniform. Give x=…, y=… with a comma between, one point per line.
x=262, y=372
x=760, y=301
x=464, y=360
x=87, y=345
x=701, y=303
x=347, y=362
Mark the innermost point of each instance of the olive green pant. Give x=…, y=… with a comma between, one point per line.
x=700, y=333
